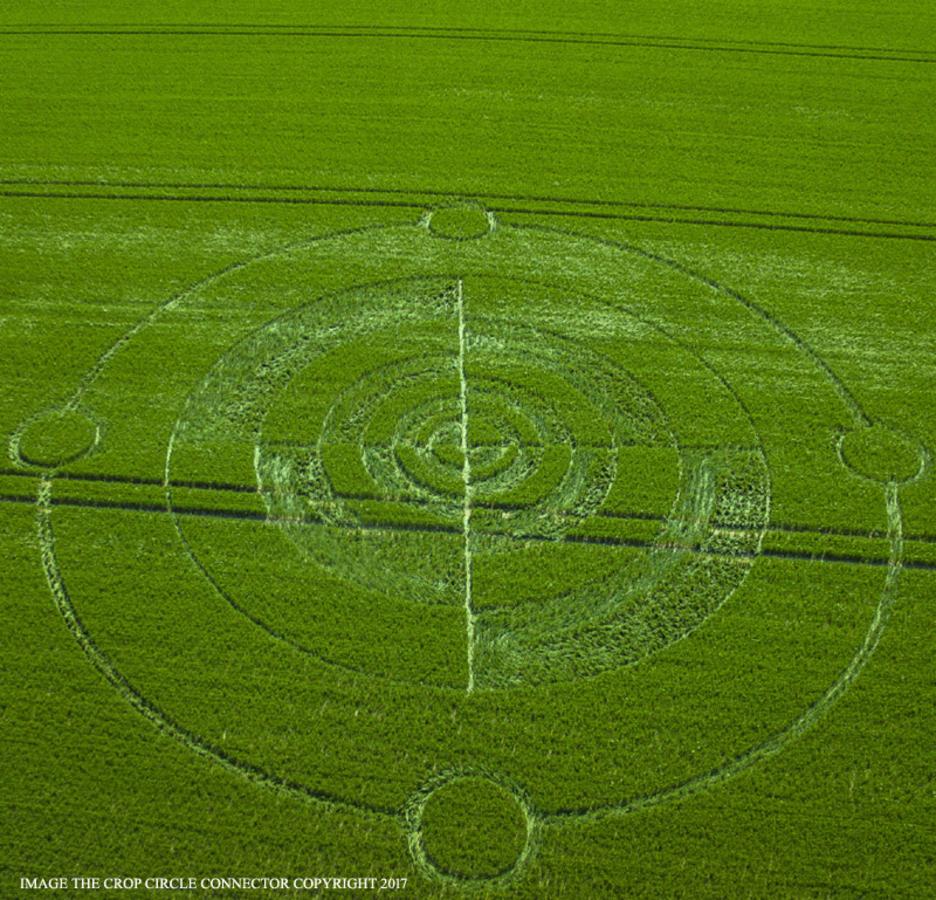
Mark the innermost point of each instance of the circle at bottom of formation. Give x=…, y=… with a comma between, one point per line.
x=470, y=828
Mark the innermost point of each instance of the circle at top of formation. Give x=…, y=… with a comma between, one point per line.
x=460, y=222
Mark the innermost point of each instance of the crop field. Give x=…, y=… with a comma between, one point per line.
x=468, y=450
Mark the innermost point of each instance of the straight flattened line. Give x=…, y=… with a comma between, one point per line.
x=460, y=36
x=466, y=479
x=582, y=214
x=476, y=445
x=435, y=192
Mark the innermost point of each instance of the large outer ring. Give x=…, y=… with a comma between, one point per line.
x=767, y=747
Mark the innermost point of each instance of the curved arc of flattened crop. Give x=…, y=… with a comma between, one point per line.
x=804, y=347
x=101, y=363
x=797, y=726
x=149, y=710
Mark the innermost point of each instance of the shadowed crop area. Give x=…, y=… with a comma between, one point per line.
x=479, y=451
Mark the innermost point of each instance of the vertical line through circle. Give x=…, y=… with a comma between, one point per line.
x=466, y=478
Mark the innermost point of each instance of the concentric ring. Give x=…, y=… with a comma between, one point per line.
x=346, y=447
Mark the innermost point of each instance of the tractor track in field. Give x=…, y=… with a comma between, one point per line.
x=454, y=194
x=488, y=35
x=272, y=26
x=231, y=487
x=418, y=204
x=260, y=516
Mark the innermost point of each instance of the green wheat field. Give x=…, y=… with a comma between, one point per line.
x=468, y=449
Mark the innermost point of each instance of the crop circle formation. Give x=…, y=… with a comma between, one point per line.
x=478, y=474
